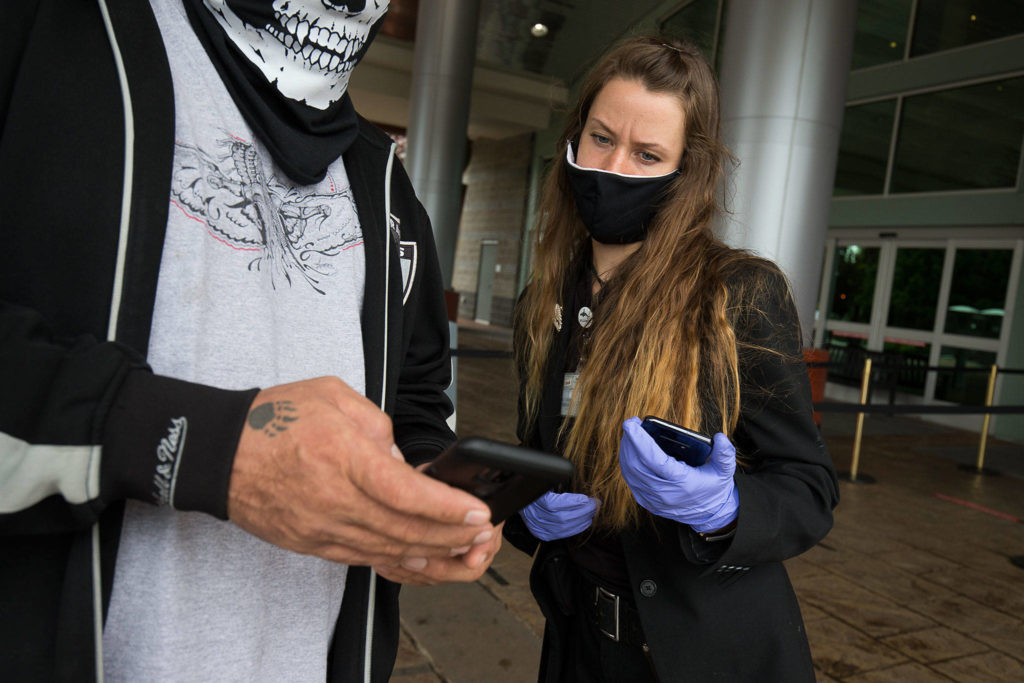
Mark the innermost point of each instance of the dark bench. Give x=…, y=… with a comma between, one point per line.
x=889, y=370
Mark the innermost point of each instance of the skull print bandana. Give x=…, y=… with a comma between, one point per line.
x=287, y=64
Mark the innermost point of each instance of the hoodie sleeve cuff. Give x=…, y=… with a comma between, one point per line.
x=171, y=442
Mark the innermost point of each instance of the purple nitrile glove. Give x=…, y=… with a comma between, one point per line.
x=705, y=497
x=559, y=515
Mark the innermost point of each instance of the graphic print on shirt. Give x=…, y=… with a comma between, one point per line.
x=293, y=232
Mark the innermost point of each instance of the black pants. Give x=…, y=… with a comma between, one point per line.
x=591, y=657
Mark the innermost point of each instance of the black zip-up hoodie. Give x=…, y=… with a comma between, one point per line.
x=86, y=148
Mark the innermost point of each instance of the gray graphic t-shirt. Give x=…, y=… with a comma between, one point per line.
x=261, y=283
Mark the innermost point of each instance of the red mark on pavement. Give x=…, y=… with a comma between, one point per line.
x=979, y=508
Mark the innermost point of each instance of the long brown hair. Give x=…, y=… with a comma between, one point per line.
x=663, y=340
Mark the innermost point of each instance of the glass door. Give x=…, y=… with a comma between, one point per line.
x=974, y=325
x=849, y=300
x=945, y=303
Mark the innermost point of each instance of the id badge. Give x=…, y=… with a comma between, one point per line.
x=568, y=387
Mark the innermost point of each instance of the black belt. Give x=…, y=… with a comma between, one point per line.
x=615, y=616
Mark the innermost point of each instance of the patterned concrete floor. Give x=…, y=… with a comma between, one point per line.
x=914, y=583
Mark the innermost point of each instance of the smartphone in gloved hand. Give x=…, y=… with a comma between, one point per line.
x=505, y=476
x=681, y=443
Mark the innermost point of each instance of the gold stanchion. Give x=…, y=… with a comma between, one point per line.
x=865, y=388
x=988, y=417
x=979, y=468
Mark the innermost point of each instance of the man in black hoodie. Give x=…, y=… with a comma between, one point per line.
x=191, y=208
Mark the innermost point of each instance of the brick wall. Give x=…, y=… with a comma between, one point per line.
x=493, y=208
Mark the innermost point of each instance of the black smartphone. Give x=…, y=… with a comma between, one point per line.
x=505, y=476
x=681, y=443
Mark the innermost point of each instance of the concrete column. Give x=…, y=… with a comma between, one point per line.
x=442, y=79
x=785, y=65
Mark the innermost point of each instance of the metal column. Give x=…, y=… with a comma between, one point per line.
x=442, y=79
x=785, y=65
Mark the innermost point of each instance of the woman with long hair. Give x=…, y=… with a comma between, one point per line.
x=649, y=568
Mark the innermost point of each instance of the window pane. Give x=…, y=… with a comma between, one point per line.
x=853, y=283
x=963, y=387
x=864, y=148
x=980, y=278
x=915, y=288
x=944, y=24
x=960, y=139
x=695, y=23
x=908, y=360
x=881, y=32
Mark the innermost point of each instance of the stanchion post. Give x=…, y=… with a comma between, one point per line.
x=865, y=385
x=979, y=467
x=988, y=416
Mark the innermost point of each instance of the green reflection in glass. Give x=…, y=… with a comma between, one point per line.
x=944, y=24
x=881, y=32
x=864, y=148
x=968, y=388
x=853, y=283
x=978, y=292
x=960, y=139
x=915, y=288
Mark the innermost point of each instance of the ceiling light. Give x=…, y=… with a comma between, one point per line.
x=538, y=30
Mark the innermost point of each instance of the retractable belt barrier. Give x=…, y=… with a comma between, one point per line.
x=865, y=407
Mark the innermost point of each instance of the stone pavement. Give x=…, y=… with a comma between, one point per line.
x=914, y=583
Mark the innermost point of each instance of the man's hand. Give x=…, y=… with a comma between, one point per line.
x=469, y=566
x=317, y=472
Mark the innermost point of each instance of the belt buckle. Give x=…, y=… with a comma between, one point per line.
x=602, y=594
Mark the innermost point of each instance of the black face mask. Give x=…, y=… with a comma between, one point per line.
x=615, y=208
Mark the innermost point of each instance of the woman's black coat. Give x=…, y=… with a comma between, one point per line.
x=722, y=611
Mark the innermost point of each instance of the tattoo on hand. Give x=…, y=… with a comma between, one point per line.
x=273, y=417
